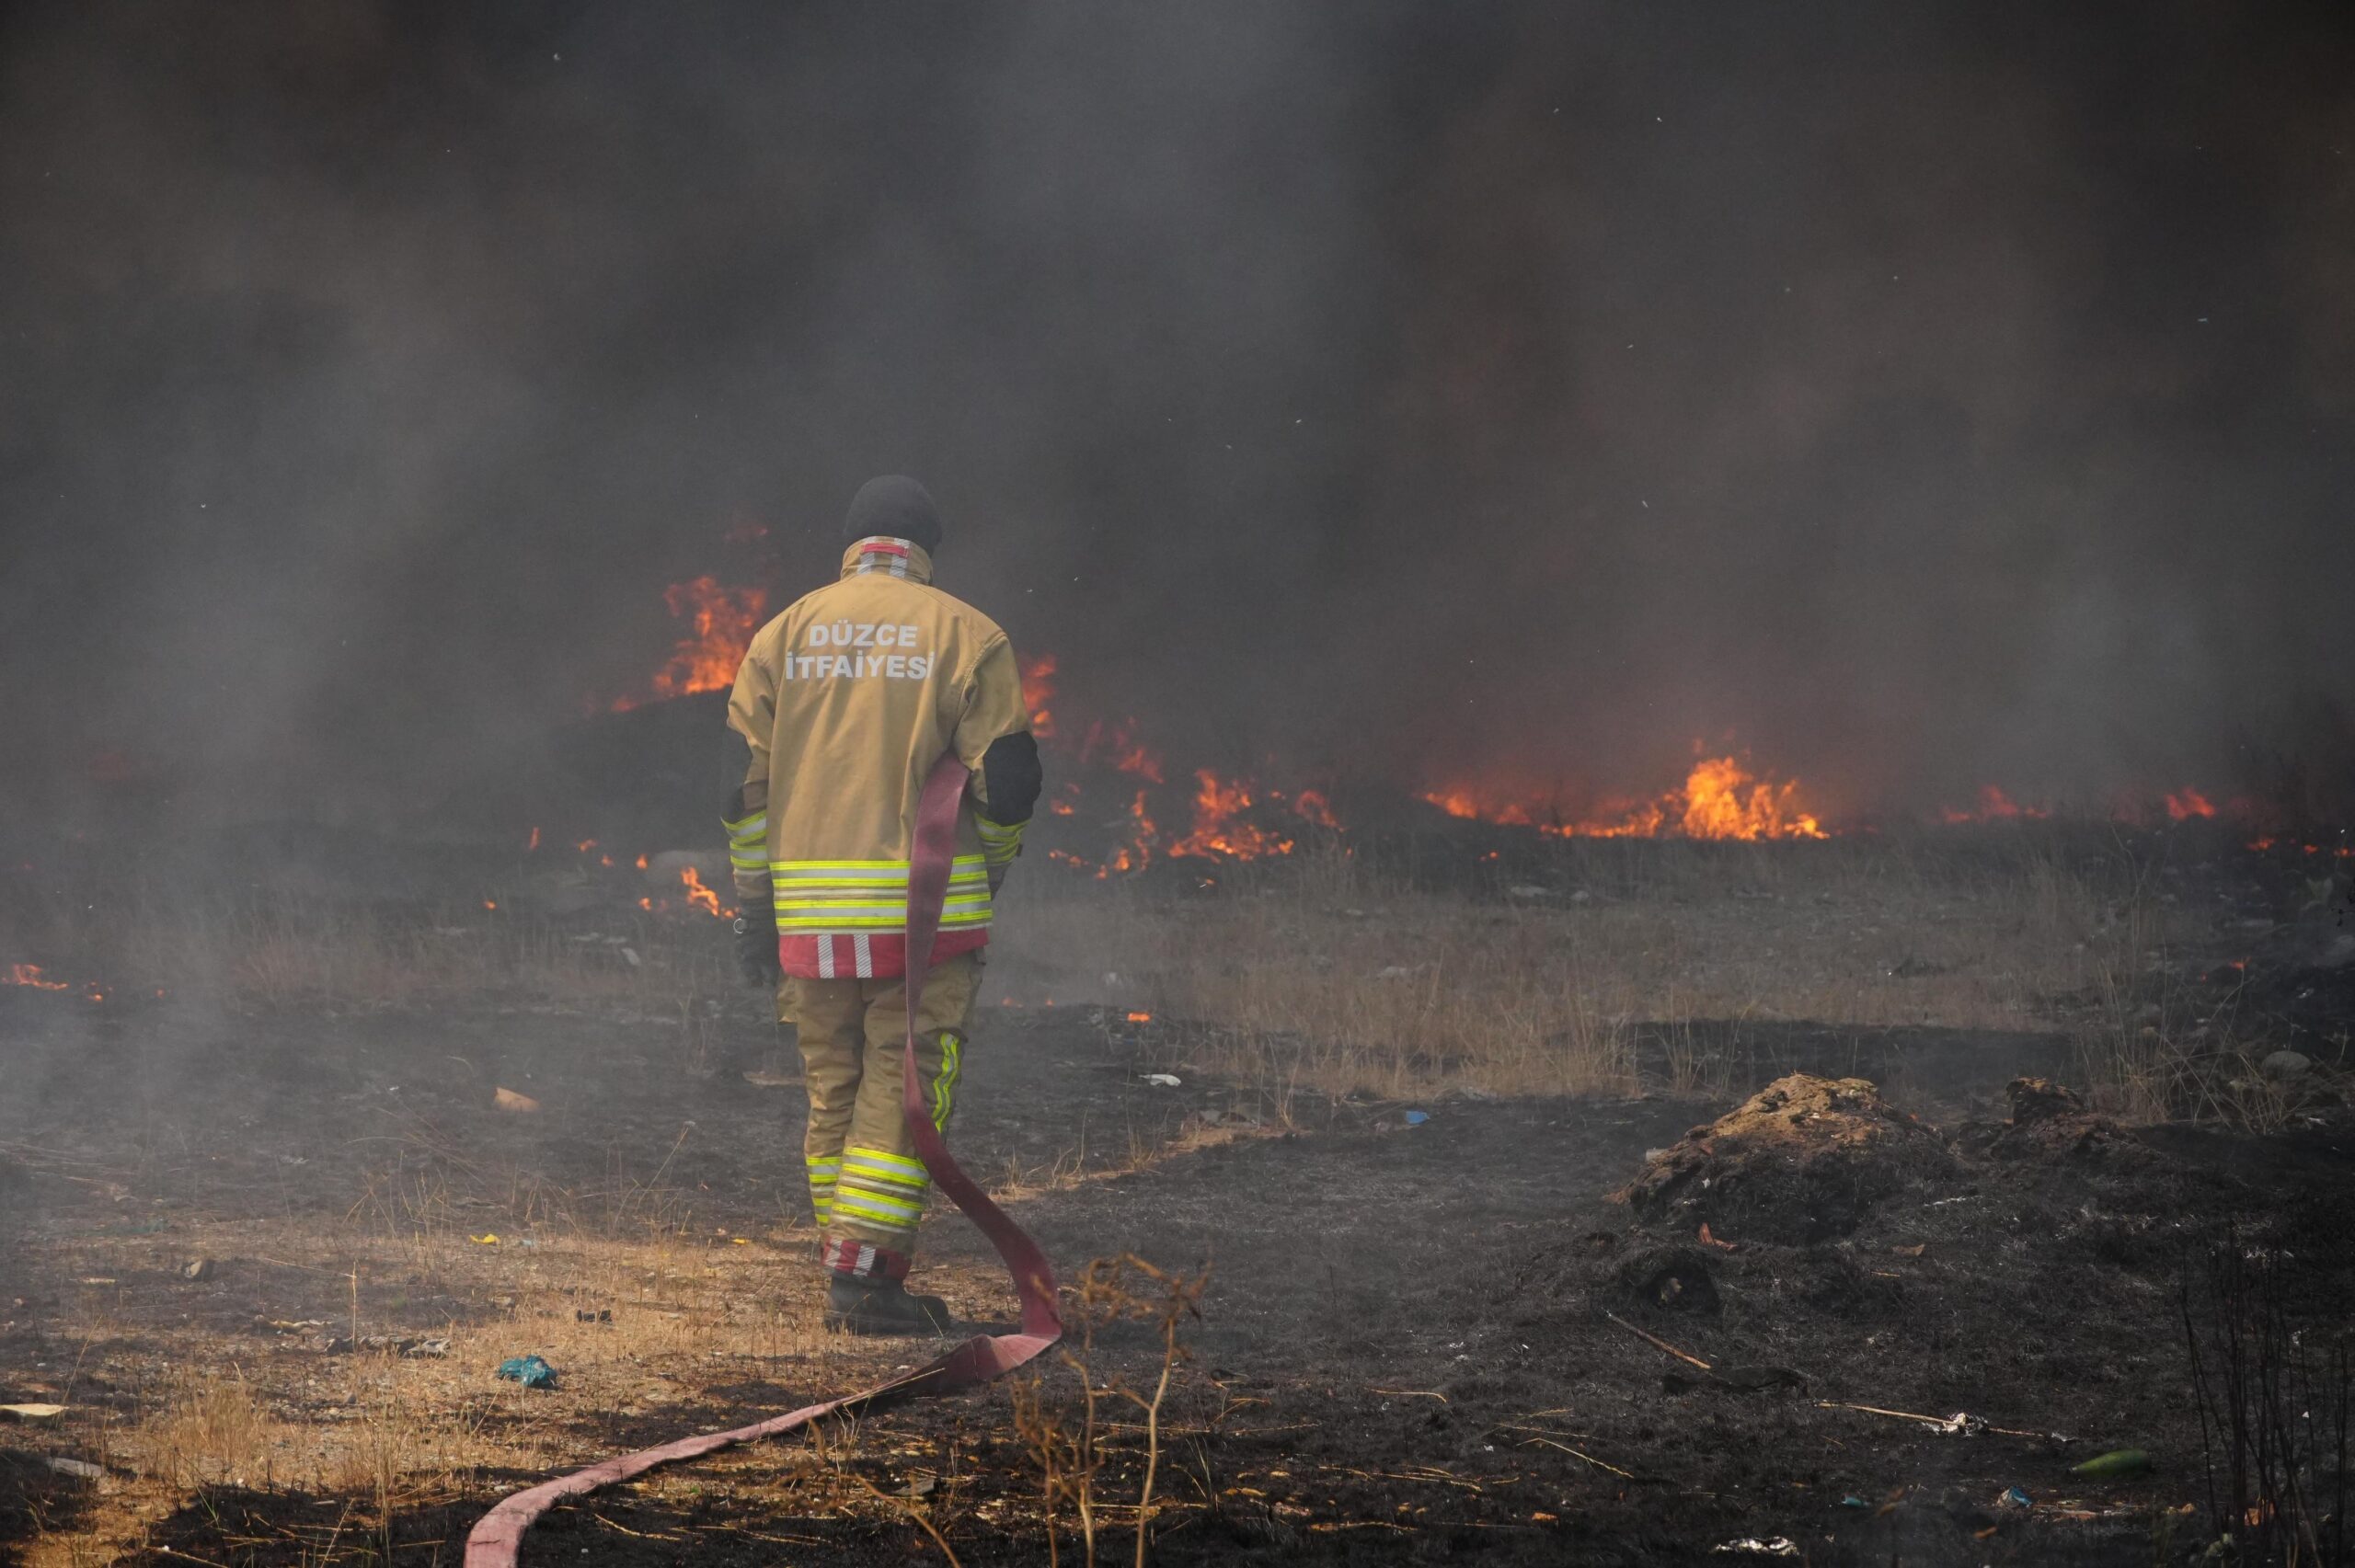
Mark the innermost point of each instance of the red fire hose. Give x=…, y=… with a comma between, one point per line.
x=499, y=1535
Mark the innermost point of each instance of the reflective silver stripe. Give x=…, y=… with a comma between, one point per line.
x=886, y=1213
x=865, y=968
x=825, y=956
x=896, y=1168
x=858, y=864
x=978, y=903
x=861, y=871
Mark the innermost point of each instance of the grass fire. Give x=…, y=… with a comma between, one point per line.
x=1176, y=786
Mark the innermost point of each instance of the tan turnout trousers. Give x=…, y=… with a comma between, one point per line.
x=865, y=1181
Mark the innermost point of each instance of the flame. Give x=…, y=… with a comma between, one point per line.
x=1312, y=806
x=1137, y=853
x=1993, y=805
x=1037, y=692
x=699, y=896
x=1221, y=823
x=1120, y=750
x=723, y=619
x=1721, y=799
x=2184, y=804
x=30, y=975
x=1140, y=1017
x=1225, y=810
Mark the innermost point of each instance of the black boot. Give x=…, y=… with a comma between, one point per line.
x=881, y=1306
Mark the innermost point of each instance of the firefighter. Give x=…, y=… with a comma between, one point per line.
x=845, y=702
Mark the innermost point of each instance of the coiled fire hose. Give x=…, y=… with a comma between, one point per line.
x=500, y=1535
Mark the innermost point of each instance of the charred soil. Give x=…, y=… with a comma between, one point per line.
x=1420, y=1337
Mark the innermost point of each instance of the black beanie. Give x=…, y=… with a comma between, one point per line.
x=896, y=507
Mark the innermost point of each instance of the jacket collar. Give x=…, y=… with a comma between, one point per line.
x=894, y=557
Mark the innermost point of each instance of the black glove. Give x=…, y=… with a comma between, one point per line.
x=756, y=958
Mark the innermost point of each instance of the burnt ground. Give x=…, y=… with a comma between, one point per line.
x=1403, y=1352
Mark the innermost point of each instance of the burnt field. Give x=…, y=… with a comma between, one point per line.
x=1456, y=1263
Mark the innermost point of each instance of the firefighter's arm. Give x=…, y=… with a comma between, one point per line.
x=752, y=715
x=994, y=739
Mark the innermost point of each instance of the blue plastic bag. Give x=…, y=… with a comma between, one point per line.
x=528, y=1371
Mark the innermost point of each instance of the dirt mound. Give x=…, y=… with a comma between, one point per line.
x=1801, y=1160
x=1669, y=1279
x=2050, y=1125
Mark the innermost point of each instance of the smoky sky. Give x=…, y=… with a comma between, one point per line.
x=1914, y=396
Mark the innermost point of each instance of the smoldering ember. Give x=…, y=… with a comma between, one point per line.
x=1541, y=782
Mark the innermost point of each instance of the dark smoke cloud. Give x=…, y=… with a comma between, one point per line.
x=1915, y=396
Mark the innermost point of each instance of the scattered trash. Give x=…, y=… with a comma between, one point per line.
x=1528, y=890
x=759, y=1080
x=1751, y=1545
x=2014, y=1498
x=1709, y=1241
x=197, y=1269
x=583, y=1315
x=1852, y=1501
x=32, y=1412
x=528, y=1371
x=1161, y=1080
x=1417, y=1118
x=1915, y=1251
x=81, y=1470
x=490, y=1239
x=508, y=1099
x=631, y=955
x=2113, y=1464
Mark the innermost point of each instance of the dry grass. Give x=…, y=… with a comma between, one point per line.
x=1642, y=968
x=1609, y=968
x=637, y=1320
x=1628, y=968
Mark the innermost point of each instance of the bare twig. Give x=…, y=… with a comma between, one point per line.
x=1659, y=1344
x=1599, y=1464
x=913, y=1512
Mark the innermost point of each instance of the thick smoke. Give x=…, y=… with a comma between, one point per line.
x=1915, y=397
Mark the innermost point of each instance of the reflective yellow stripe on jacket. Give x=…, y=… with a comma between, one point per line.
x=1001, y=841
x=748, y=842
x=871, y=895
